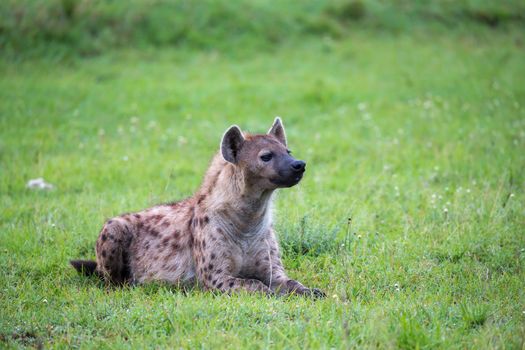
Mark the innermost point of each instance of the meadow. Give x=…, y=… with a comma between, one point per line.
x=410, y=216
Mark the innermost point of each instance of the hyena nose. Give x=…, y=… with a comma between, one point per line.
x=298, y=165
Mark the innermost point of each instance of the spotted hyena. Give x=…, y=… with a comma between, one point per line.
x=222, y=237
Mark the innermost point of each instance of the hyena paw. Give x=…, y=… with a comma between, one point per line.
x=317, y=293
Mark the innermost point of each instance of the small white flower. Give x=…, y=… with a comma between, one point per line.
x=445, y=210
x=358, y=236
x=468, y=190
x=511, y=195
x=125, y=158
x=44, y=301
x=134, y=120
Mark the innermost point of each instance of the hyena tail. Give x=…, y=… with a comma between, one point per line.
x=85, y=267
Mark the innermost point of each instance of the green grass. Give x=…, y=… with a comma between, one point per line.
x=70, y=27
x=417, y=138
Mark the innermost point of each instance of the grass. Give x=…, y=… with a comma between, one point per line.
x=81, y=27
x=410, y=216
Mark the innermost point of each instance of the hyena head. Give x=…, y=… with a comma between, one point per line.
x=264, y=160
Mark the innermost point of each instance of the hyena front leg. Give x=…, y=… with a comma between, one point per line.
x=219, y=277
x=270, y=270
x=214, y=269
x=281, y=284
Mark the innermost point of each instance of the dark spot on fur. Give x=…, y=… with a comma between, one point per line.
x=153, y=232
x=103, y=253
x=208, y=277
x=210, y=266
x=109, y=222
x=111, y=237
x=219, y=285
x=219, y=230
x=214, y=282
x=176, y=234
x=137, y=216
x=125, y=272
x=257, y=262
x=103, y=237
x=156, y=218
x=219, y=271
x=113, y=250
x=231, y=283
x=206, y=220
x=212, y=256
x=175, y=246
x=201, y=198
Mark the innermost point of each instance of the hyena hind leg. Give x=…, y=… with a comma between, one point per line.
x=113, y=251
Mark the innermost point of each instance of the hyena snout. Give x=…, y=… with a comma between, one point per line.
x=298, y=166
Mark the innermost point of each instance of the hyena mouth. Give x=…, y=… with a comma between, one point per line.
x=288, y=181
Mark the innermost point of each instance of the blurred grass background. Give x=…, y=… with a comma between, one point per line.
x=88, y=27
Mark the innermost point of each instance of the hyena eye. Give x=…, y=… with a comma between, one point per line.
x=266, y=157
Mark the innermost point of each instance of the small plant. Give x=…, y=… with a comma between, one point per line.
x=474, y=315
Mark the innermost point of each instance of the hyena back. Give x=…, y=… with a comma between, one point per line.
x=222, y=237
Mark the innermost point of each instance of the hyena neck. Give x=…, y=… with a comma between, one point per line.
x=226, y=194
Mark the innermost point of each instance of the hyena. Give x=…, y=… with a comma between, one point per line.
x=222, y=237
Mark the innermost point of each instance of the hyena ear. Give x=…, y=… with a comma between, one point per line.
x=277, y=130
x=231, y=143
